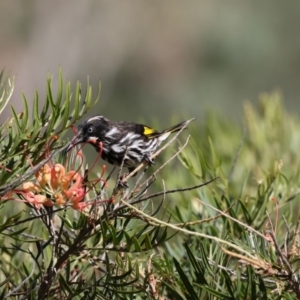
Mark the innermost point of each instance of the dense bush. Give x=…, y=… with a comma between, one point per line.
x=215, y=218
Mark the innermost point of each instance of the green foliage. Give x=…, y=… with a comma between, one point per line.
x=24, y=141
x=216, y=220
x=258, y=182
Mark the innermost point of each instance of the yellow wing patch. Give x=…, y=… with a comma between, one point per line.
x=149, y=131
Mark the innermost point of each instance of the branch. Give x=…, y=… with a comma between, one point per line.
x=191, y=233
x=176, y=190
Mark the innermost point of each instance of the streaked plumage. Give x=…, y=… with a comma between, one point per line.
x=140, y=140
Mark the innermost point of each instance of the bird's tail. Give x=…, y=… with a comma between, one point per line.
x=165, y=133
x=175, y=128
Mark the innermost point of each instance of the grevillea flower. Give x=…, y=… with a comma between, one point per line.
x=54, y=185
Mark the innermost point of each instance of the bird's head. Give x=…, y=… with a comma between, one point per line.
x=92, y=131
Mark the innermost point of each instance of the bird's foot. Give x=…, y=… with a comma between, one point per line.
x=148, y=159
x=122, y=184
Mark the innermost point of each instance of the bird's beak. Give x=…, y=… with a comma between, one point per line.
x=75, y=141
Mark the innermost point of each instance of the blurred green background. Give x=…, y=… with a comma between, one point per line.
x=156, y=58
x=165, y=61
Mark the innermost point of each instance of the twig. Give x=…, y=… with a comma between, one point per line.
x=287, y=236
x=161, y=202
x=192, y=233
x=21, y=284
x=235, y=220
x=233, y=272
x=192, y=223
x=139, y=179
x=29, y=236
x=269, y=221
x=171, y=158
x=59, y=234
x=144, y=190
x=162, y=166
x=200, y=221
x=107, y=178
x=285, y=261
x=164, y=193
x=175, y=191
x=255, y=261
x=33, y=218
x=121, y=168
x=152, y=281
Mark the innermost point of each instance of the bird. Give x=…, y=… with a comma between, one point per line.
x=122, y=142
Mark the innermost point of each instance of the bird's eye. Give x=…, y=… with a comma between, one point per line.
x=90, y=130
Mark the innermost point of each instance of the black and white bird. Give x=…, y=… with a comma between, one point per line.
x=137, y=142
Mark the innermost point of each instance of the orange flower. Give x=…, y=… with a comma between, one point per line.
x=29, y=186
x=55, y=182
x=38, y=200
x=70, y=177
x=59, y=199
x=76, y=192
x=43, y=175
x=57, y=172
x=55, y=185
